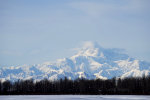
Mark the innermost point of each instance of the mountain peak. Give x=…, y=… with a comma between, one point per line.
x=90, y=49
x=93, y=49
x=90, y=44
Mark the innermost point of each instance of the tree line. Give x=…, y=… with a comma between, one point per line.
x=126, y=86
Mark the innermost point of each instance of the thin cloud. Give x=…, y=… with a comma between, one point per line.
x=96, y=9
x=11, y=53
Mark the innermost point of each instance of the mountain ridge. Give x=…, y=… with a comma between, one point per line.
x=91, y=61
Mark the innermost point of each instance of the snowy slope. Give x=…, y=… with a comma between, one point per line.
x=91, y=61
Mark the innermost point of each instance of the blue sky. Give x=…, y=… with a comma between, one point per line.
x=35, y=31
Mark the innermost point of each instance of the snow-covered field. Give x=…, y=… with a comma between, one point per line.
x=75, y=97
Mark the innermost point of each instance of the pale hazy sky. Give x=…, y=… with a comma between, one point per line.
x=35, y=31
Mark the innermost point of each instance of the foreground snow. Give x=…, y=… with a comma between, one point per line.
x=75, y=97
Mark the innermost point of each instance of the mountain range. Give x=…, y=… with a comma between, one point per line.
x=91, y=62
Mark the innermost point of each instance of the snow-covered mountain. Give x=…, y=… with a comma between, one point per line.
x=91, y=61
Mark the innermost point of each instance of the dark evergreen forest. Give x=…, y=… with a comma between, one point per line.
x=127, y=86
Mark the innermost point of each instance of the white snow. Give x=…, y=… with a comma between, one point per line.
x=75, y=97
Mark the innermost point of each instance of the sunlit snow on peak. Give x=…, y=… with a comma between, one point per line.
x=93, y=49
x=90, y=49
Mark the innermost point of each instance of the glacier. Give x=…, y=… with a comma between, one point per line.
x=91, y=62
